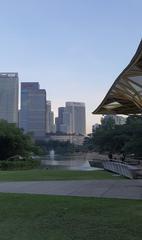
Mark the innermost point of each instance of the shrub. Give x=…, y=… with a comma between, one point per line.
x=19, y=164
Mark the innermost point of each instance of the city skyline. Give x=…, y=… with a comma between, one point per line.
x=75, y=49
x=36, y=115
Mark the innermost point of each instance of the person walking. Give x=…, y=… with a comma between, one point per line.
x=110, y=156
x=123, y=156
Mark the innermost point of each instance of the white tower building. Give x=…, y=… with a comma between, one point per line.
x=50, y=126
x=76, y=118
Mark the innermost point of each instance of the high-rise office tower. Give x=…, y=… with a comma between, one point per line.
x=76, y=118
x=60, y=124
x=53, y=126
x=48, y=117
x=50, y=126
x=66, y=125
x=9, y=85
x=57, y=125
x=33, y=109
x=63, y=121
x=72, y=118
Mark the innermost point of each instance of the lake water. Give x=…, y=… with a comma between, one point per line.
x=71, y=162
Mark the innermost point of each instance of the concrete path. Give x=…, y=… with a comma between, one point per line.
x=125, y=189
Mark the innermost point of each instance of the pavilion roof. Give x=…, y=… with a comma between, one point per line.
x=125, y=95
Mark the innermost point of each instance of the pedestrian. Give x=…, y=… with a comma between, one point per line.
x=123, y=156
x=110, y=156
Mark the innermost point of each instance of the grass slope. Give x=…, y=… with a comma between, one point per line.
x=37, y=175
x=32, y=217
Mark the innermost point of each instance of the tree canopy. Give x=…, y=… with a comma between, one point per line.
x=118, y=138
x=14, y=142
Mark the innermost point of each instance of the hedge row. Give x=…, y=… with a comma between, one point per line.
x=18, y=165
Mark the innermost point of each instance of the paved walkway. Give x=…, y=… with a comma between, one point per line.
x=126, y=189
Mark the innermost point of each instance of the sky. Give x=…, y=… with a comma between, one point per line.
x=75, y=49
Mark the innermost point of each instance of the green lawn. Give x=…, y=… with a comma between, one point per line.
x=37, y=175
x=38, y=217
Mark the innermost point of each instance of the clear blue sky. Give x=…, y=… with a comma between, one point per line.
x=74, y=48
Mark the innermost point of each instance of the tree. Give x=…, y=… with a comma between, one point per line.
x=118, y=138
x=14, y=142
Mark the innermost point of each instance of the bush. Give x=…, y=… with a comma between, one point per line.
x=19, y=164
x=13, y=142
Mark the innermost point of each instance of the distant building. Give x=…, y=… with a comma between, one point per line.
x=50, y=125
x=118, y=120
x=33, y=109
x=62, y=119
x=74, y=139
x=72, y=119
x=57, y=124
x=76, y=118
x=9, y=85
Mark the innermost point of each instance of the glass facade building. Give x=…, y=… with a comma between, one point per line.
x=9, y=85
x=33, y=109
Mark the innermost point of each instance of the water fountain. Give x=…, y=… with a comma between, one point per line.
x=52, y=154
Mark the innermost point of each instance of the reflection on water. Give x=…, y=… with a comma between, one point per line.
x=71, y=162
